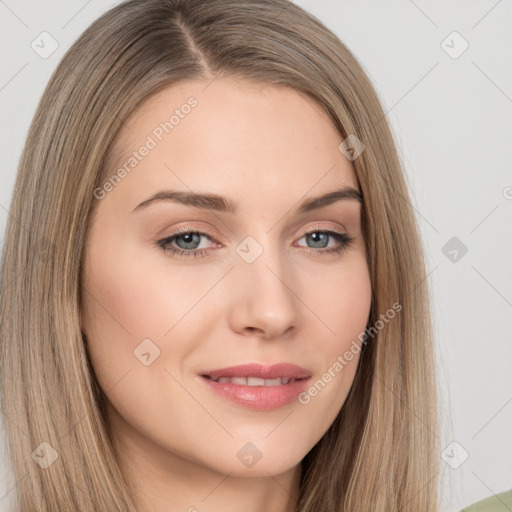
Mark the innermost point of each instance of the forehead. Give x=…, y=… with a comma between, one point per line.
x=231, y=137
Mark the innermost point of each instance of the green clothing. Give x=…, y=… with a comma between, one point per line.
x=497, y=503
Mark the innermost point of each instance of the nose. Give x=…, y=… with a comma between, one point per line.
x=265, y=302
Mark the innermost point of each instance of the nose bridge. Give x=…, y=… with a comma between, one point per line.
x=266, y=300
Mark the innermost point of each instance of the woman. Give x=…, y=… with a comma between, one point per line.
x=283, y=363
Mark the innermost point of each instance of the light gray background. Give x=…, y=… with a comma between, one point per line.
x=452, y=120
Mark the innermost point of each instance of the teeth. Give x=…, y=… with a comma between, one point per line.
x=267, y=382
x=255, y=381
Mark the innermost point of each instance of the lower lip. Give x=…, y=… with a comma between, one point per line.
x=261, y=398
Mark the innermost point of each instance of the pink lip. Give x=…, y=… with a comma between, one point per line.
x=284, y=370
x=262, y=398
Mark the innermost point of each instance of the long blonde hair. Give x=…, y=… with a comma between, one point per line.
x=381, y=452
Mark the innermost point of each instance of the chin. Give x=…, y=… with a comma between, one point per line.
x=251, y=463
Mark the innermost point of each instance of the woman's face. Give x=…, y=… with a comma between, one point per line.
x=266, y=281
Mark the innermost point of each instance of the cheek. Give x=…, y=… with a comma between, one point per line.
x=136, y=295
x=132, y=294
x=341, y=298
x=122, y=306
x=127, y=299
x=343, y=304
x=349, y=320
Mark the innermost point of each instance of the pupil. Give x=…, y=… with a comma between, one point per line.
x=317, y=238
x=190, y=239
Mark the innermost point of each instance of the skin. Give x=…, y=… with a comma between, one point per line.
x=269, y=149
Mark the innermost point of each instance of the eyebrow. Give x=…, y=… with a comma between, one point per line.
x=227, y=205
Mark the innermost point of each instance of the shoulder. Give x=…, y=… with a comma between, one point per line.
x=497, y=503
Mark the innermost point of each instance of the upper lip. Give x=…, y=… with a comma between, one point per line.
x=284, y=370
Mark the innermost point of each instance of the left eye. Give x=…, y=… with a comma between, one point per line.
x=188, y=242
x=320, y=239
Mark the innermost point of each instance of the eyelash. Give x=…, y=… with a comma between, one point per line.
x=343, y=238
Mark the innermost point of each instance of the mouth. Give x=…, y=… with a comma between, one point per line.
x=257, y=386
x=255, y=381
x=256, y=374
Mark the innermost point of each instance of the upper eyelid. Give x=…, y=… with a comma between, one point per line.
x=191, y=229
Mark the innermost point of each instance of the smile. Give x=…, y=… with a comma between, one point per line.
x=254, y=381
